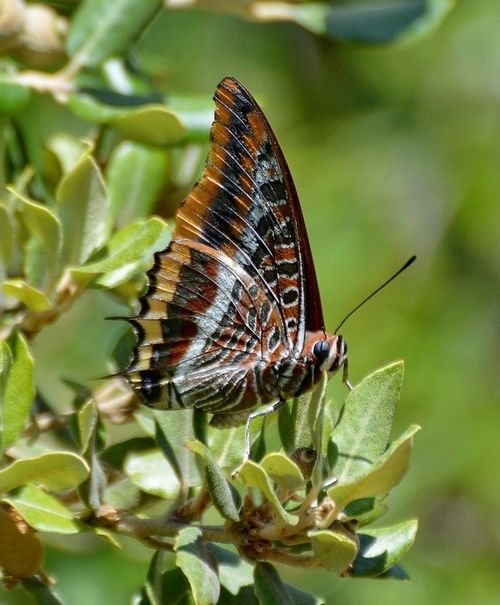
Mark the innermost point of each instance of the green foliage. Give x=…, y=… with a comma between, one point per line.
x=89, y=149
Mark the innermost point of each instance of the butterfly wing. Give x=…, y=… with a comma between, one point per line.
x=236, y=288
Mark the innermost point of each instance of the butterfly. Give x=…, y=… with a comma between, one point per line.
x=231, y=319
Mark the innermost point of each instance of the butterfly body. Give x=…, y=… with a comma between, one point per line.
x=231, y=318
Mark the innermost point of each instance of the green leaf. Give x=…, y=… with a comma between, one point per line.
x=122, y=494
x=83, y=210
x=125, y=251
x=365, y=510
x=283, y=471
x=13, y=96
x=44, y=512
x=382, y=548
x=6, y=236
x=55, y=471
x=46, y=227
x=100, y=29
x=175, y=589
x=151, y=124
x=34, y=299
x=91, y=439
x=152, y=474
x=227, y=445
x=135, y=176
x=363, y=431
x=252, y=474
x=41, y=593
x=198, y=565
x=368, y=22
x=269, y=587
x=67, y=149
x=174, y=431
x=303, y=598
x=376, y=23
x=226, y=499
x=234, y=572
x=334, y=550
x=152, y=586
x=293, y=424
x=386, y=473
x=17, y=390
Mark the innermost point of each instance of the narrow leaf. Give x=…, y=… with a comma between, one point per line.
x=55, y=470
x=83, y=210
x=198, y=565
x=174, y=431
x=152, y=586
x=18, y=390
x=226, y=499
x=364, y=428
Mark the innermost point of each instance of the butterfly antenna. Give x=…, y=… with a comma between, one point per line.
x=409, y=262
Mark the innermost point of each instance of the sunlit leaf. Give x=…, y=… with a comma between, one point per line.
x=386, y=473
x=198, y=565
x=363, y=431
x=44, y=512
x=252, y=474
x=334, y=550
x=152, y=473
x=91, y=439
x=34, y=299
x=126, y=249
x=283, y=471
x=54, y=470
x=382, y=548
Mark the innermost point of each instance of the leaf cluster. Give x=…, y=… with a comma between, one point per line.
x=90, y=146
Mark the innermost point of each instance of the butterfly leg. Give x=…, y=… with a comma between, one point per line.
x=345, y=376
x=274, y=407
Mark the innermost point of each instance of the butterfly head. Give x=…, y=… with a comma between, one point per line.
x=330, y=352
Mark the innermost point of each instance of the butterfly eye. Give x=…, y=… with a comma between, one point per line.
x=321, y=350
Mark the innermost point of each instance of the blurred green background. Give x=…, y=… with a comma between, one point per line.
x=394, y=151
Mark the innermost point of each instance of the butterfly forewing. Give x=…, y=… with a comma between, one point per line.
x=235, y=290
